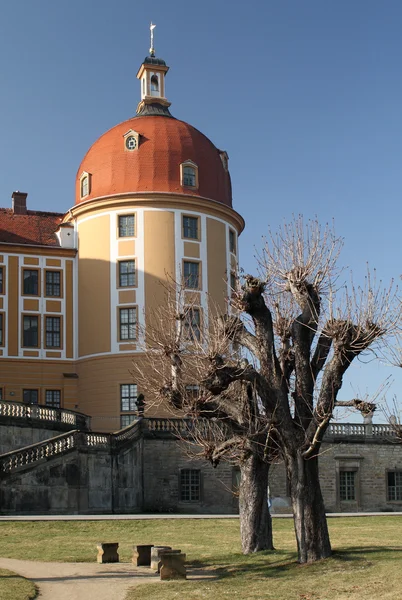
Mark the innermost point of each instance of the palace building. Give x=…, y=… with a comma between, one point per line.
x=153, y=201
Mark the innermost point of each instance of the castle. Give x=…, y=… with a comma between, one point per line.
x=153, y=200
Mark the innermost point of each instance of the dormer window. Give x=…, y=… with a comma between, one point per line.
x=154, y=85
x=189, y=174
x=85, y=184
x=131, y=140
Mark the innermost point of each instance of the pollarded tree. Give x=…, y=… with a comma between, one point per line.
x=299, y=335
x=225, y=426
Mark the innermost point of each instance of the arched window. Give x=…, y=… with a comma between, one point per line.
x=154, y=85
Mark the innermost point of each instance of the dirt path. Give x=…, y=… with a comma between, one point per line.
x=80, y=581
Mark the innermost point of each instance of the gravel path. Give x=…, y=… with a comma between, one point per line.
x=80, y=581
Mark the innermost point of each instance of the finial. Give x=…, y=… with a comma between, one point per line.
x=152, y=49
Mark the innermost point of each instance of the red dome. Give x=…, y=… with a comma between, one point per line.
x=164, y=143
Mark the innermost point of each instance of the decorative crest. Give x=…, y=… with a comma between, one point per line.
x=152, y=49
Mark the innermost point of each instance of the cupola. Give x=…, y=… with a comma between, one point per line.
x=152, y=76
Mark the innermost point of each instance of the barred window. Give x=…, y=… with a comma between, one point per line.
x=30, y=396
x=53, y=283
x=126, y=226
x=190, y=485
x=128, y=397
x=191, y=274
x=31, y=277
x=347, y=485
x=1, y=280
x=30, y=331
x=192, y=324
x=128, y=323
x=53, y=332
x=126, y=273
x=53, y=398
x=394, y=485
x=190, y=227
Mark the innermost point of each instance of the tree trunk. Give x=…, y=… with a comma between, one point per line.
x=310, y=520
x=255, y=519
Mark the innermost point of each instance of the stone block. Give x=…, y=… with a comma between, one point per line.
x=172, y=566
x=107, y=552
x=142, y=555
x=156, y=553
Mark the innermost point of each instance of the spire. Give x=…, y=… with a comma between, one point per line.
x=152, y=76
x=152, y=49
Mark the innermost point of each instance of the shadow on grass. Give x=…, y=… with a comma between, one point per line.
x=279, y=564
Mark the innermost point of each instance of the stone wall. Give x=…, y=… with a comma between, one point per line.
x=163, y=461
x=370, y=459
x=82, y=480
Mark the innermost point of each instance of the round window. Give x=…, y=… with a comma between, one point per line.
x=131, y=143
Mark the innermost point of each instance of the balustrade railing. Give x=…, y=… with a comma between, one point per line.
x=360, y=430
x=36, y=412
x=61, y=444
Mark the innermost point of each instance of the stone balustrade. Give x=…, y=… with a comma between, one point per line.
x=39, y=413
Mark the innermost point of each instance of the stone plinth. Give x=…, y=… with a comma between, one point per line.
x=172, y=566
x=107, y=552
x=142, y=555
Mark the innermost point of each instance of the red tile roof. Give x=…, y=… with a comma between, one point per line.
x=165, y=143
x=34, y=228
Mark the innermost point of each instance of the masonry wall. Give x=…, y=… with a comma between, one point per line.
x=371, y=462
x=163, y=461
x=13, y=437
x=79, y=482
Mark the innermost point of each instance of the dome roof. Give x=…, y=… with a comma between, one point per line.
x=164, y=144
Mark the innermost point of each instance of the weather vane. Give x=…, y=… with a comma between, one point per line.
x=152, y=49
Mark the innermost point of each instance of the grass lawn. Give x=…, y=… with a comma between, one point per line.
x=14, y=587
x=366, y=563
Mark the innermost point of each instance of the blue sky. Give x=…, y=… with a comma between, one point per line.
x=305, y=96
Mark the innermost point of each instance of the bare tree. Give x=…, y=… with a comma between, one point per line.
x=298, y=331
x=226, y=426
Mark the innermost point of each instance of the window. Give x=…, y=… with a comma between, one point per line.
x=126, y=420
x=347, y=487
x=53, y=332
x=126, y=226
x=189, y=174
x=53, y=398
x=126, y=273
x=190, y=227
x=233, y=281
x=232, y=241
x=1, y=330
x=190, y=485
x=191, y=274
x=154, y=85
x=1, y=393
x=394, y=485
x=53, y=283
x=128, y=397
x=30, y=331
x=1, y=281
x=84, y=186
x=192, y=322
x=128, y=323
x=31, y=277
x=30, y=396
